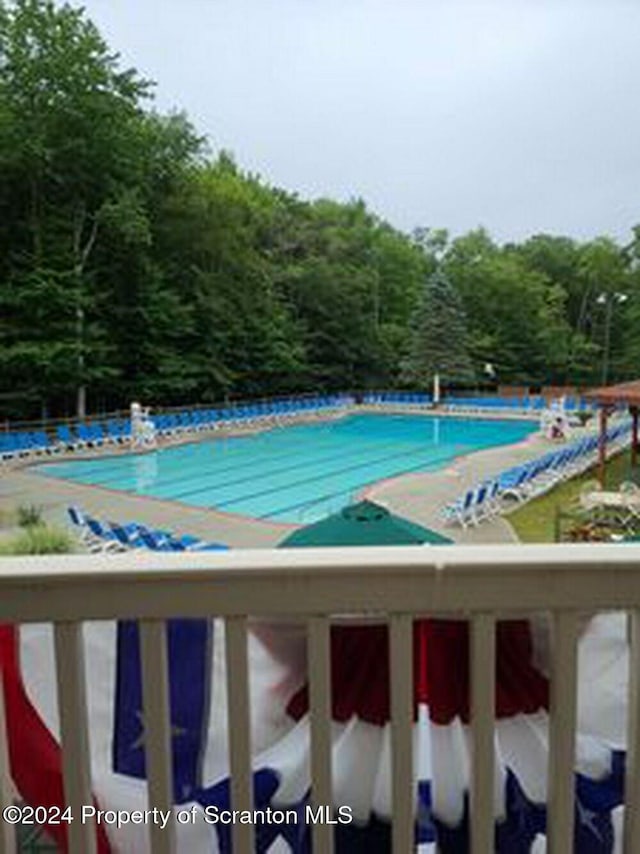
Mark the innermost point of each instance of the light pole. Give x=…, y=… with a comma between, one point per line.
x=608, y=300
x=81, y=391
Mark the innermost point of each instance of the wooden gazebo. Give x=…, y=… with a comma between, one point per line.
x=608, y=398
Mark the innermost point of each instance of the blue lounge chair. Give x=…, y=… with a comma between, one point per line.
x=91, y=532
x=460, y=511
x=103, y=534
x=157, y=543
x=68, y=439
x=127, y=535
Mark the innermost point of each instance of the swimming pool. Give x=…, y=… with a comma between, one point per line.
x=294, y=474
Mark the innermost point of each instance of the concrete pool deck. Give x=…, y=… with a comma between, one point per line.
x=418, y=496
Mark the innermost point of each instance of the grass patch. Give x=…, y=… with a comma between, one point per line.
x=38, y=540
x=535, y=521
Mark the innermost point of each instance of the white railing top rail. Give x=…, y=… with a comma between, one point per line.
x=434, y=580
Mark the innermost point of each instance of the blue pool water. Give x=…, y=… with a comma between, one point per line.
x=294, y=474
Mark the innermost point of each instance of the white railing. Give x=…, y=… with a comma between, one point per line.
x=394, y=584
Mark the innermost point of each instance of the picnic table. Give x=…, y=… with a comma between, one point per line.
x=610, y=500
x=618, y=507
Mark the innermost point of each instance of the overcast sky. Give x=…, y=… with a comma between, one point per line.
x=519, y=115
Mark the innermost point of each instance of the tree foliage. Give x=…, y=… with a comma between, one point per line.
x=133, y=264
x=439, y=343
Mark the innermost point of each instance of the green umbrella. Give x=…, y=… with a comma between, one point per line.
x=363, y=524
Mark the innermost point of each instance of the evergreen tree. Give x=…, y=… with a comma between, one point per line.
x=438, y=344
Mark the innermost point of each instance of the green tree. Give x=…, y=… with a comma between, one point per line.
x=438, y=337
x=517, y=312
x=76, y=147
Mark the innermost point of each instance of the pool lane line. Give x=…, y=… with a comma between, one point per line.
x=235, y=518
x=324, y=475
x=94, y=465
x=170, y=480
x=413, y=450
x=269, y=516
x=126, y=462
x=129, y=463
x=283, y=488
x=265, y=492
x=463, y=451
x=99, y=461
x=269, y=470
x=265, y=469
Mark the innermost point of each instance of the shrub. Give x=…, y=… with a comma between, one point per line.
x=38, y=540
x=29, y=515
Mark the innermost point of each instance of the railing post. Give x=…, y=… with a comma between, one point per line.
x=401, y=676
x=320, y=716
x=239, y=729
x=157, y=729
x=74, y=736
x=562, y=733
x=483, y=680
